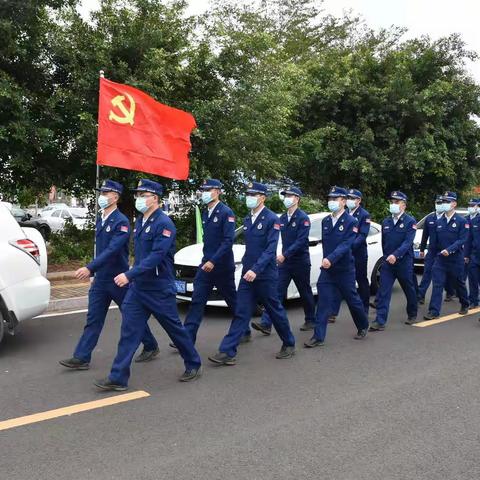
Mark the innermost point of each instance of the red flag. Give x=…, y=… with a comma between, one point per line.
x=138, y=133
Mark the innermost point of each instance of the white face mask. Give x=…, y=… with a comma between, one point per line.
x=207, y=197
x=103, y=202
x=334, y=205
x=252, y=202
x=288, y=202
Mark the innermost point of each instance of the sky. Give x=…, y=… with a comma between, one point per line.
x=436, y=18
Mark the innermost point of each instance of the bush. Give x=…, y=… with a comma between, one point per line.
x=71, y=244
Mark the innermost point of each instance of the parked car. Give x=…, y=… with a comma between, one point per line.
x=187, y=260
x=418, y=237
x=57, y=217
x=52, y=206
x=24, y=288
x=25, y=219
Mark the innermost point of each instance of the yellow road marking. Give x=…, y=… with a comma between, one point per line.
x=446, y=318
x=80, y=407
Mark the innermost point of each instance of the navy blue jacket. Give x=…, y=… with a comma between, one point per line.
x=337, y=241
x=397, y=239
x=295, y=238
x=428, y=229
x=111, y=246
x=218, y=236
x=154, y=253
x=359, y=246
x=451, y=235
x=261, y=241
x=472, y=247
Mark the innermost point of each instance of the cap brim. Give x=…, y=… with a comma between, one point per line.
x=255, y=191
x=289, y=192
x=105, y=189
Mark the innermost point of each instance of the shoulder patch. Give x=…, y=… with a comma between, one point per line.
x=368, y=220
x=276, y=226
x=306, y=223
x=124, y=228
x=231, y=219
x=467, y=225
x=167, y=233
x=414, y=226
x=355, y=229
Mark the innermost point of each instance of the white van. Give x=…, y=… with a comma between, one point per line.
x=24, y=288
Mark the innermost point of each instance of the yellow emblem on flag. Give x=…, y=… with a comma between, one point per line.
x=128, y=114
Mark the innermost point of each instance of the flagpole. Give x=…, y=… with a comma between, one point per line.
x=97, y=186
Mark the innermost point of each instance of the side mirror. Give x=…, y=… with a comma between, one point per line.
x=26, y=217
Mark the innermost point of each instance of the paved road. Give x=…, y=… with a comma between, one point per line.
x=403, y=404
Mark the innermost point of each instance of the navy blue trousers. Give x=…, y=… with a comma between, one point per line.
x=300, y=274
x=136, y=310
x=100, y=296
x=250, y=294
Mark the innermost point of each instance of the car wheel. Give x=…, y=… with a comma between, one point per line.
x=375, y=280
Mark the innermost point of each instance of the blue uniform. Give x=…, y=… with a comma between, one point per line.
x=261, y=240
x=360, y=255
x=297, y=264
x=218, y=236
x=338, y=281
x=112, y=258
x=397, y=240
x=473, y=253
x=429, y=227
x=152, y=292
x=450, y=235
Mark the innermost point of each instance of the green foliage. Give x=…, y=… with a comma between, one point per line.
x=278, y=88
x=71, y=244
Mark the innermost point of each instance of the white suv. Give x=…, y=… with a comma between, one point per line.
x=24, y=289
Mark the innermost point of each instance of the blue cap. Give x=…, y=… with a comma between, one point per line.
x=450, y=196
x=474, y=201
x=338, y=192
x=211, y=183
x=352, y=192
x=291, y=190
x=438, y=198
x=110, y=186
x=398, y=195
x=255, y=187
x=146, y=185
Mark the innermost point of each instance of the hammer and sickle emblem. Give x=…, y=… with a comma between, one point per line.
x=128, y=115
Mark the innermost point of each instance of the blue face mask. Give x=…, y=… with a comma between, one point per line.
x=252, y=202
x=447, y=207
x=472, y=210
x=334, y=205
x=103, y=202
x=288, y=202
x=351, y=204
x=206, y=197
x=394, y=208
x=141, y=204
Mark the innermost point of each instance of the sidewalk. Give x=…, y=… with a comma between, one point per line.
x=67, y=293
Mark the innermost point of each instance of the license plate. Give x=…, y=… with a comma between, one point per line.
x=181, y=286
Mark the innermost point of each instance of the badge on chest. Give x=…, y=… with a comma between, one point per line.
x=108, y=228
x=147, y=229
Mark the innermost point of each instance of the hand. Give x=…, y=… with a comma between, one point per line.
x=391, y=259
x=82, y=273
x=250, y=276
x=467, y=260
x=444, y=253
x=280, y=258
x=422, y=254
x=121, y=280
x=208, y=267
x=326, y=263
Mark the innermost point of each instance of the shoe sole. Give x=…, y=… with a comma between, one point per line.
x=258, y=328
x=376, y=329
x=148, y=359
x=111, y=389
x=194, y=377
x=356, y=337
x=307, y=329
x=219, y=362
x=71, y=367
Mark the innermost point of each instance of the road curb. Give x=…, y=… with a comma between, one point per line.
x=67, y=304
x=55, y=276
